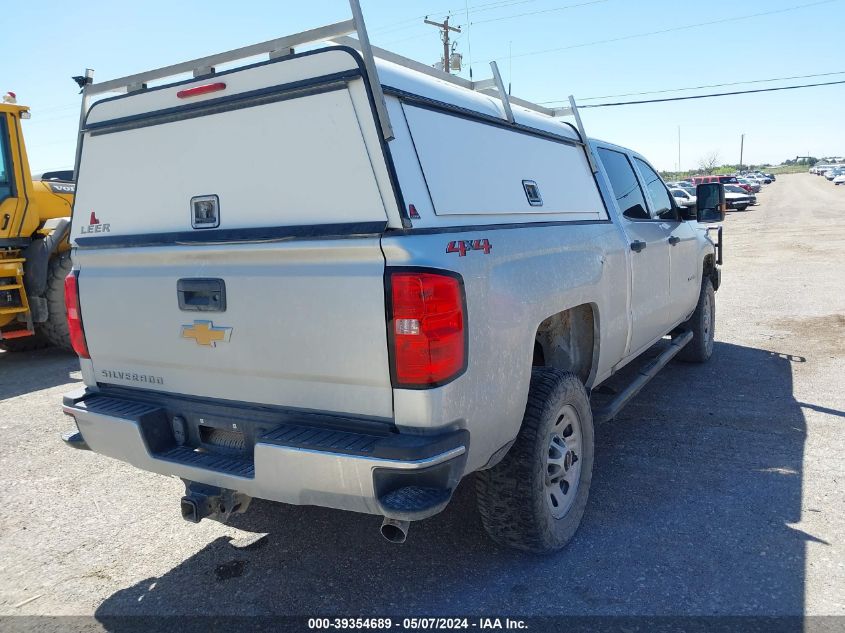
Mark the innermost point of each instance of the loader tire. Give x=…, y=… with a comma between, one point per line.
x=702, y=324
x=523, y=500
x=55, y=329
x=26, y=344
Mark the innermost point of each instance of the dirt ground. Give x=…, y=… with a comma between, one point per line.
x=718, y=491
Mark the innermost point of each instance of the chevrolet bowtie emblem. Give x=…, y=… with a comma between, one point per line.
x=204, y=333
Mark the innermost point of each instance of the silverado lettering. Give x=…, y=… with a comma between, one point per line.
x=131, y=376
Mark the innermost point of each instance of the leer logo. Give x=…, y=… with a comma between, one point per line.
x=94, y=226
x=204, y=333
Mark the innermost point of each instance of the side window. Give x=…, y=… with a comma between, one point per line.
x=5, y=166
x=626, y=189
x=663, y=207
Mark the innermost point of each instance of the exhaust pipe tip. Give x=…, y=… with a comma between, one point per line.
x=395, y=531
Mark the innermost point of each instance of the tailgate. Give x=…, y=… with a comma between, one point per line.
x=228, y=243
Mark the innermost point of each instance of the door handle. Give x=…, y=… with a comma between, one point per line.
x=638, y=245
x=201, y=295
x=674, y=239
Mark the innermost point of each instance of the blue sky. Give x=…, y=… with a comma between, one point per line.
x=51, y=42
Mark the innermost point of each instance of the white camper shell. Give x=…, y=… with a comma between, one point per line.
x=246, y=245
x=291, y=149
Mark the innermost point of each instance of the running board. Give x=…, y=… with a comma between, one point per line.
x=644, y=375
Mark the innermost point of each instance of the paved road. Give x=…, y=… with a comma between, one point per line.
x=719, y=490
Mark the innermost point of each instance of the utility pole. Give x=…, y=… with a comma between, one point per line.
x=679, y=149
x=444, y=35
x=510, y=66
x=741, y=148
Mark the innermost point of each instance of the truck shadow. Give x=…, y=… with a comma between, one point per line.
x=26, y=372
x=696, y=486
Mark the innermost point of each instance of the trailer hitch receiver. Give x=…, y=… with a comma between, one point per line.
x=202, y=501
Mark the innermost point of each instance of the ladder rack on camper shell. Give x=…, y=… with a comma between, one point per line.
x=336, y=33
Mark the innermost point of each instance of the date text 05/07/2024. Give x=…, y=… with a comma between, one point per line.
x=433, y=624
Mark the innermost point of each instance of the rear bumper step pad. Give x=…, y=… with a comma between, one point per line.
x=299, y=458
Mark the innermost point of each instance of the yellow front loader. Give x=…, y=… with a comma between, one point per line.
x=34, y=253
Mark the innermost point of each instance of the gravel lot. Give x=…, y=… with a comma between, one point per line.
x=719, y=490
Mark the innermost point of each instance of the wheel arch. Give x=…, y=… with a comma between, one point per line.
x=569, y=340
x=709, y=270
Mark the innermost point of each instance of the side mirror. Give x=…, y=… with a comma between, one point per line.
x=710, y=202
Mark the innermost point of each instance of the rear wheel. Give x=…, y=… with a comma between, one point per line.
x=55, y=329
x=534, y=498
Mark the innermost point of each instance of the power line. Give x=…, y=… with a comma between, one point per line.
x=58, y=108
x=718, y=94
x=732, y=18
x=418, y=36
x=519, y=15
x=481, y=8
x=478, y=8
x=722, y=85
x=56, y=117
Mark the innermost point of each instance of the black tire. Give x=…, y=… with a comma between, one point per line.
x=26, y=344
x=55, y=329
x=702, y=324
x=513, y=497
x=742, y=207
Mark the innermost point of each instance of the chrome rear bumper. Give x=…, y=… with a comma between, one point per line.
x=316, y=463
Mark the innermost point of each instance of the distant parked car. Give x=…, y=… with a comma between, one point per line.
x=840, y=179
x=754, y=186
x=738, y=201
x=738, y=189
x=724, y=179
x=683, y=197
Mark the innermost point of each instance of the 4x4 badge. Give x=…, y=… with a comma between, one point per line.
x=204, y=333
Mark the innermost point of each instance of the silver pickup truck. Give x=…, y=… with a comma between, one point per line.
x=341, y=278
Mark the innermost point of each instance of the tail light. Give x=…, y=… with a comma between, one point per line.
x=427, y=328
x=74, y=316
